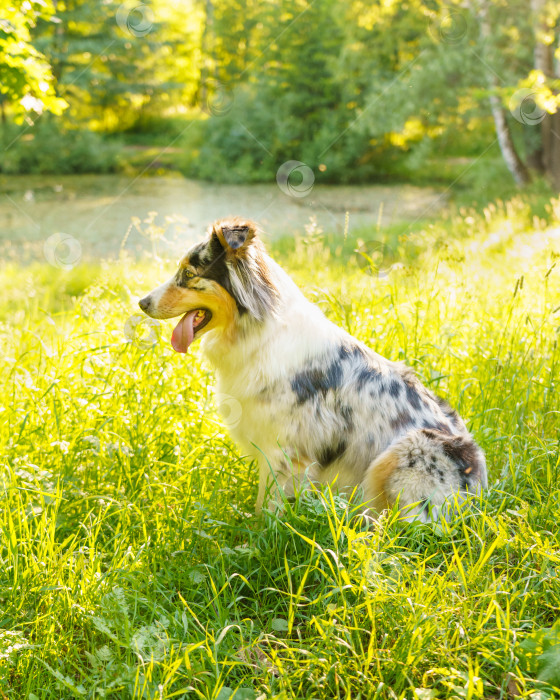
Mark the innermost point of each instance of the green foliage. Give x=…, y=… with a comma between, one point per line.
x=131, y=564
x=540, y=654
x=367, y=91
x=251, y=141
x=113, y=59
x=49, y=148
x=362, y=90
x=26, y=79
x=287, y=100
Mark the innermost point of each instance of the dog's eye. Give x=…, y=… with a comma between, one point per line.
x=183, y=276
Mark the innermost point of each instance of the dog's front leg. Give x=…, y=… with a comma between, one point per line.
x=279, y=478
x=272, y=479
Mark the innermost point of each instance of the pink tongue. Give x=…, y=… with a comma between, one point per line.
x=183, y=333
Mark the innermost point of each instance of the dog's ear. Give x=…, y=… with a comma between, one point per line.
x=235, y=235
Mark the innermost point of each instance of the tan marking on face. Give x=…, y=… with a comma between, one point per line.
x=176, y=301
x=223, y=308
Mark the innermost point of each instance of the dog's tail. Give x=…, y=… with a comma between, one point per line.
x=423, y=471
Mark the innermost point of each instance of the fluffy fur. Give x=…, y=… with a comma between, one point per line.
x=316, y=405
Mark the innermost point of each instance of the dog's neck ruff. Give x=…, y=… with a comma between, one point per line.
x=264, y=351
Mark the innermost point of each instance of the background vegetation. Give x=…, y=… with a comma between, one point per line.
x=358, y=91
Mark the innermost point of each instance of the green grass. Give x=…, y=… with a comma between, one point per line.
x=131, y=564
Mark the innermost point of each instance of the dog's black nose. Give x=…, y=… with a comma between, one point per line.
x=144, y=304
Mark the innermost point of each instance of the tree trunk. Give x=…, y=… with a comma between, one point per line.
x=3, y=135
x=550, y=125
x=553, y=156
x=515, y=165
x=544, y=62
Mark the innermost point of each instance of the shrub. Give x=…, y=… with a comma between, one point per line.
x=48, y=147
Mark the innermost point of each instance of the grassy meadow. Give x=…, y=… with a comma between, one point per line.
x=131, y=562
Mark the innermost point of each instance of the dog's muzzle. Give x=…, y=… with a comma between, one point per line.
x=145, y=304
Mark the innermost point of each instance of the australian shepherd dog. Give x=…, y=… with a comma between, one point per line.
x=316, y=405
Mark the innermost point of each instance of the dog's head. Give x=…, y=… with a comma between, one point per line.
x=219, y=282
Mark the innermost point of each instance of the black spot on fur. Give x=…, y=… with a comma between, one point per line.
x=347, y=414
x=464, y=454
x=402, y=422
x=267, y=391
x=462, y=451
x=309, y=383
x=362, y=372
x=449, y=412
x=364, y=376
x=331, y=453
x=436, y=425
x=348, y=351
x=413, y=395
x=195, y=254
x=394, y=387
